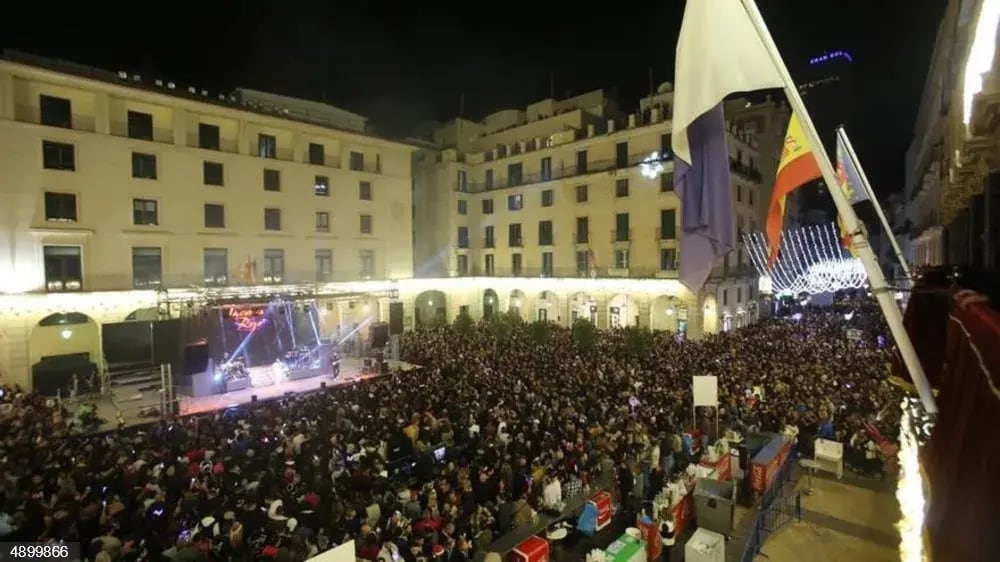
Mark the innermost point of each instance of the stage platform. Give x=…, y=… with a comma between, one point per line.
x=265, y=384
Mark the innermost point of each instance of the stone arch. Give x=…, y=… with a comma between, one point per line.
x=491, y=303
x=516, y=301
x=431, y=309
x=582, y=306
x=547, y=307
x=710, y=311
x=663, y=313
x=62, y=335
x=622, y=310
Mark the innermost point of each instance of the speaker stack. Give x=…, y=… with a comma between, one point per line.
x=395, y=318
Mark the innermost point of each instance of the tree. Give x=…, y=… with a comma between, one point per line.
x=638, y=341
x=541, y=332
x=463, y=323
x=584, y=335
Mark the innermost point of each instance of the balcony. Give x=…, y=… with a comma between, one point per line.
x=666, y=236
x=592, y=167
x=489, y=243
x=621, y=235
x=573, y=272
x=581, y=237
x=744, y=171
x=516, y=242
x=234, y=278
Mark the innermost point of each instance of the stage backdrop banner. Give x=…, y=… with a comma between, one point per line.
x=706, y=391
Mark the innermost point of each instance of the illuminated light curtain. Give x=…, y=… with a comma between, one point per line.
x=811, y=261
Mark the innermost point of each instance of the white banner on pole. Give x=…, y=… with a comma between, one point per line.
x=706, y=391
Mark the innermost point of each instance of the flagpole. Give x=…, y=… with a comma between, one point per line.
x=876, y=279
x=871, y=195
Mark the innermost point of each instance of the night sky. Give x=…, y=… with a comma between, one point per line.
x=404, y=63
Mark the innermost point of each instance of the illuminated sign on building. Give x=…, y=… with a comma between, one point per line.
x=832, y=55
x=247, y=320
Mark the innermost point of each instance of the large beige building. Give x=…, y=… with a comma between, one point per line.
x=125, y=197
x=575, y=188
x=116, y=182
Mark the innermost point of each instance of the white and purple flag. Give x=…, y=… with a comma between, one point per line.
x=718, y=53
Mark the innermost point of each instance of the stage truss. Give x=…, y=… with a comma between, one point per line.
x=812, y=261
x=178, y=300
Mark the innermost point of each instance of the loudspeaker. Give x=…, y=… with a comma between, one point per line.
x=395, y=318
x=383, y=368
x=196, y=358
x=380, y=335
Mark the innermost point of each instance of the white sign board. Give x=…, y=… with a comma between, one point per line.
x=706, y=391
x=342, y=553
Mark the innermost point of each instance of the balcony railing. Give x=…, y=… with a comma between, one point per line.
x=516, y=242
x=670, y=234
x=570, y=272
x=618, y=235
x=592, y=167
x=581, y=237
x=489, y=243
x=126, y=282
x=745, y=171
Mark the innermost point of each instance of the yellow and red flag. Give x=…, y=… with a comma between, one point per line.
x=798, y=166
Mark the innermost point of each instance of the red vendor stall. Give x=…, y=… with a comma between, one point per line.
x=723, y=467
x=534, y=549
x=602, y=501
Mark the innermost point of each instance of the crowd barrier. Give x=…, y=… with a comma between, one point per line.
x=778, y=505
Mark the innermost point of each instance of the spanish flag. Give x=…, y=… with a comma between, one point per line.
x=797, y=167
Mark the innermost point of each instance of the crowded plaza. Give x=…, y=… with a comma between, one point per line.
x=502, y=421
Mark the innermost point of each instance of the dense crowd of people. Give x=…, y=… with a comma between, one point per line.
x=435, y=463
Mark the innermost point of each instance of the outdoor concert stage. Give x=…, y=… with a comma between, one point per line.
x=266, y=384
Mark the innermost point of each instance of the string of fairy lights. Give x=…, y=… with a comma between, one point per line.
x=811, y=261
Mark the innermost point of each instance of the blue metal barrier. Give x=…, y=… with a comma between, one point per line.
x=777, y=507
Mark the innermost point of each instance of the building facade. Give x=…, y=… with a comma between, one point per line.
x=574, y=188
x=109, y=183
x=953, y=164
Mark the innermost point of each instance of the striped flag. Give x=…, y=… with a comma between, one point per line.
x=718, y=53
x=797, y=167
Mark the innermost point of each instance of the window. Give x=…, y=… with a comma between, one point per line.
x=357, y=161
x=622, y=227
x=583, y=262
x=666, y=150
x=668, y=224
x=488, y=264
x=463, y=264
x=212, y=173
x=668, y=259
x=487, y=206
x=140, y=125
x=143, y=166
x=514, y=235
x=463, y=207
x=321, y=186
x=63, y=268
x=463, y=237
x=272, y=219
x=621, y=155
x=367, y=263
x=544, y=233
x=60, y=207
x=515, y=202
x=547, y=264
x=56, y=112
x=725, y=297
x=547, y=198
x=324, y=265
x=546, y=168
x=365, y=191
x=621, y=187
x=750, y=196
x=216, y=266
x=515, y=174
x=267, y=146
x=516, y=265
x=274, y=266
x=317, y=154
x=58, y=156
x=145, y=212
x=581, y=194
x=489, y=179
x=666, y=182
x=582, y=230
x=739, y=295
x=215, y=215
x=581, y=162
x=739, y=193
x=322, y=221
x=208, y=136
x=463, y=181
x=366, y=224
x=621, y=259
x=488, y=241
x=272, y=180
x=147, y=268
